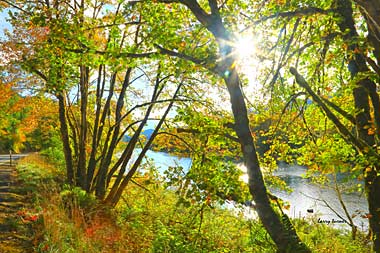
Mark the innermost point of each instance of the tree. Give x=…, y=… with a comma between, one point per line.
x=340, y=62
x=224, y=66
x=91, y=59
x=14, y=115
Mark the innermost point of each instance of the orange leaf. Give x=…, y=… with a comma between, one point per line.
x=371, y=131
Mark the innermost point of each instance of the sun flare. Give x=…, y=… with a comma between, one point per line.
x=248, y=63
x=245, y=48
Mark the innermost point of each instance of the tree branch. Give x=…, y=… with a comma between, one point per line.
x=340, y=111
x=111, y=25
x=39, y=73
x=214, y=7
x=180, y=55
x=129, y=55
x=373, y=65
x=328, y=206
x=199, y=12
x=148, y=104
x=297, y=13
x=292, y=99
x=16, y=7
x=345, y=133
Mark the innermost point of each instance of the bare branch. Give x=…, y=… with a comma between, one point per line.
x=292, y=99
x=327, y=205
x=141, y=186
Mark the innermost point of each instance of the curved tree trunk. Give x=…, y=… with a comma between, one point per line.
x=284, y=237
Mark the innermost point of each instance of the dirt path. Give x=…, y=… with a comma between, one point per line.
x=13, y=232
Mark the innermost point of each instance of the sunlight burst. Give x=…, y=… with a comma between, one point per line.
x=248, y=64
x=245, y=48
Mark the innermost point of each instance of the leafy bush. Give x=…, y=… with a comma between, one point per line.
x=161, y=223
x=76, y=197
x=53, y=151
x=324, y=238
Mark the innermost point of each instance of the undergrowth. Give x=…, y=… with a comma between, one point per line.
x=150, y=219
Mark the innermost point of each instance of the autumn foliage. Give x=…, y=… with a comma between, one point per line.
x=26, y=121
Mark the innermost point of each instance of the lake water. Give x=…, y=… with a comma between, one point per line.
x=310, y=196
x=304, y=198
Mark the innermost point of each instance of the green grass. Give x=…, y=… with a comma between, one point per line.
x=152, y=221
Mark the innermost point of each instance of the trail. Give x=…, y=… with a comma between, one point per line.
x=13, y=237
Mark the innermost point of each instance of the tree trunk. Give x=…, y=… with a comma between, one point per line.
x=370, y=10
x=284, y=237
x=114, y=198
x=101, y=181
x=82, y=159
x=372, y=188
x=372, y=179
x=106, y=158
x=65, y=139
x=92, y=162
x=127, y=153
x=364, y=94
x=257, y=188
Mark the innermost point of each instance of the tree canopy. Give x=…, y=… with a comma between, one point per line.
x=303, y=89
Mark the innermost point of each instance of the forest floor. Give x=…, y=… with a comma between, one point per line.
x=14, y=229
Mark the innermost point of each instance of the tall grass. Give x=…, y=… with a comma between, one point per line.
x=151, y=219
